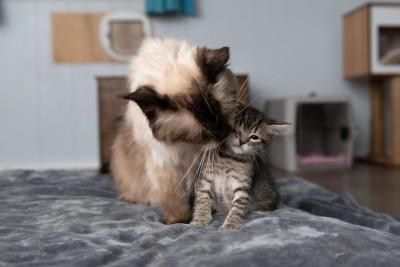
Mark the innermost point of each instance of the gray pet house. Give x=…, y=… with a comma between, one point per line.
x=321, y=135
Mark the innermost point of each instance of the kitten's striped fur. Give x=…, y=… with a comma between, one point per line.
x=230, y=179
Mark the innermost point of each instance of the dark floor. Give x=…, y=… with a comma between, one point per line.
x=373, y=186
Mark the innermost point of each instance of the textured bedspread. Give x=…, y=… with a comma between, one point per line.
x=59, y=218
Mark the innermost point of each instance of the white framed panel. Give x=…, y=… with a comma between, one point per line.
x=382, y=16
x=122, y=16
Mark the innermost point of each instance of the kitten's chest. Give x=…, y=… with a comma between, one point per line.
x=226, y=177
x=223, y=188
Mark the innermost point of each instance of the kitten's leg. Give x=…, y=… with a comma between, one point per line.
x=240, y=203
x=203, y=203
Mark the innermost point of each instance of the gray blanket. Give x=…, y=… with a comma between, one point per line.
x=59, y=218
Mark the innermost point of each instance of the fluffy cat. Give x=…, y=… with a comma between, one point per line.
x=181, y=98
x=231, y=177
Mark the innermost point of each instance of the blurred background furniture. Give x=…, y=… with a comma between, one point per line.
x=371, y=40
x=110, y=109
x=321, y=136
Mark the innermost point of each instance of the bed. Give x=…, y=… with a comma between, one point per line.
x=73, y=218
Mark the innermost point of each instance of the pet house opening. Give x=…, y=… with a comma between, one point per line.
x=322, y=134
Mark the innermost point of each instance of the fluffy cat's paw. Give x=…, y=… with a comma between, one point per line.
x=201, y=223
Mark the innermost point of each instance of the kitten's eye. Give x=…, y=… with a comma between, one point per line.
x=254, y=137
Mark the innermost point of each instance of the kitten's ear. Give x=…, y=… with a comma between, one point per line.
x=276, y=127
x=213, y=61
x=149, y=101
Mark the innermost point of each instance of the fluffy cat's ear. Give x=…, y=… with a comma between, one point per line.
x=149, y=101
x=213, y=61
x=276, y=127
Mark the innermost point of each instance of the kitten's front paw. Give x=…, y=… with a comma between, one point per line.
x=201, y=220
x=227, y=227
x=202, y=223
x=200, y=226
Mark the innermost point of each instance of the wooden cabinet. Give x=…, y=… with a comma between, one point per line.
x=110, y=108
x=371, y=41
x=356, y=43
x=371, y=49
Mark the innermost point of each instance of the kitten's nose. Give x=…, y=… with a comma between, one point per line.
x=241, y=142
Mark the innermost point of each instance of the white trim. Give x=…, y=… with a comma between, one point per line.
x=104, y=30
x=382, y=16
x=51, y=166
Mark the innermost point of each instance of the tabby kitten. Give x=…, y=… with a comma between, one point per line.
x=229, y=180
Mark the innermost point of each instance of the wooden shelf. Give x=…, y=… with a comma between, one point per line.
x=356, y=50
x=369, y=33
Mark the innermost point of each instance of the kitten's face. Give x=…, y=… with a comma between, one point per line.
x=248, y=141
x=252, y=132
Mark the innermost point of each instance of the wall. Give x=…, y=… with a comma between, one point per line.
x=48, y=112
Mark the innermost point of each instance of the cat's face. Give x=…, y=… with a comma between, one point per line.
x=252, y=132
x=186, y=92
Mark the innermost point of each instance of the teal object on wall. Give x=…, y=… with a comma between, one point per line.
x=168, y=7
